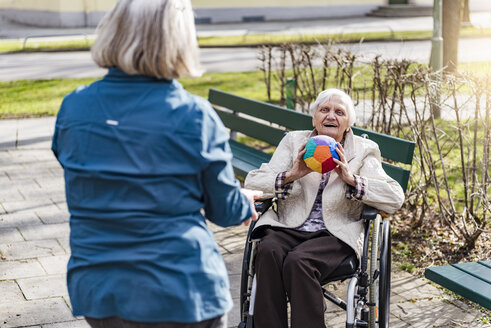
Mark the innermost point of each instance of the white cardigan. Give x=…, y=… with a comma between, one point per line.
x=341, y=215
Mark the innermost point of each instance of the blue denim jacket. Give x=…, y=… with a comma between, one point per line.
x=142, y=157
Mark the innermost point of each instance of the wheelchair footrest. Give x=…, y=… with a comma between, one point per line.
x=333, y=298
x=361, y=324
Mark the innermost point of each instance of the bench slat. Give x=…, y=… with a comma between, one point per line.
x=475, y=269
x=241, y=168
x=288, y=118
x=486, y=263
x=246, y=159
x=397, y=173
x=256, y=156
x=253, y=129
x=461, y=283
x=392, y=148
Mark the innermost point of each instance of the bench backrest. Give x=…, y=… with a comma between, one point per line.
x=268, y=122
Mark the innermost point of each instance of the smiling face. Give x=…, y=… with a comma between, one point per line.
x=331, y=118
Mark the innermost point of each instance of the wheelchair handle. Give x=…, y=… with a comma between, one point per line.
x=263, y=205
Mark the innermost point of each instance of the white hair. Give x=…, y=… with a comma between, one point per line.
x=324, y=97
x=155, y=38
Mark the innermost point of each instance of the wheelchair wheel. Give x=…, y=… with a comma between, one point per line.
x=380, y=263
x=374, y=270
x=246, y=280
x=384, y=283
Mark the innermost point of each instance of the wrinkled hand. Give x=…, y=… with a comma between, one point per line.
x=251, y=196
x=299, y=169
x=342, y=168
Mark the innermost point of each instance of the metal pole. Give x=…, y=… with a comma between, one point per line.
x=436, y=58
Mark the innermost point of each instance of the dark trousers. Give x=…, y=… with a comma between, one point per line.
x=116, y=322
x=293, y=263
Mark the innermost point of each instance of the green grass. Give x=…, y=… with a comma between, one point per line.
x=32, y=98
x=245, y=40
x=33, y=45
x=258, y=39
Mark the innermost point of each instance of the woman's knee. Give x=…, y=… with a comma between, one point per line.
x=294, y=265
x=270, y=251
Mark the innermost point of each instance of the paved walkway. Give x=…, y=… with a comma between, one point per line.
x=480, y=19
x=34, y=247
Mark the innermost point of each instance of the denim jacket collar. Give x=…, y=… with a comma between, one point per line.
x=115, y=73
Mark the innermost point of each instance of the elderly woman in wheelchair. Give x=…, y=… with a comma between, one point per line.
x=316, y=227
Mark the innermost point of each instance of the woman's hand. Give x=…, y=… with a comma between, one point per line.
x=342, y=168
x=299, y=169
x=251, y=196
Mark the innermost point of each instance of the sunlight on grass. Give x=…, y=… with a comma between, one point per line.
x=43, y=44
x=476, y=68
x=84, y=43
x=31, y=98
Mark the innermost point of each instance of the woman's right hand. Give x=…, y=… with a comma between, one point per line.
x=251, y=195
x=299, y=169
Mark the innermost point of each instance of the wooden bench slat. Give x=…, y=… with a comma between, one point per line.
x=253, y=129
x=241, y=168
x=288, y=118
x=255, y=156
x=486, y=263
x=246, y=159
x=475, y=269
x=397, y=173
x=461, y=283
x=392, y=148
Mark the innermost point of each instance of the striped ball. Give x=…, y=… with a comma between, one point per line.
x=320, y=151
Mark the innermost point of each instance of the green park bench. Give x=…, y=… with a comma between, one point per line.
x=268, y=123
x=471, y=280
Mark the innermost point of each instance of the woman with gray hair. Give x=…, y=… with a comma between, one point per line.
x=144, y=163
x=317, y=222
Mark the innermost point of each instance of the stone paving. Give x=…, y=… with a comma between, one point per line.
x=34, y=247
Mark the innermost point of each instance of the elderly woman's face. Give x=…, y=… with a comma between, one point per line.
x=331, y=118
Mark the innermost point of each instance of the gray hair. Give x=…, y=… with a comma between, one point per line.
x=324, y=97
x=155, y=38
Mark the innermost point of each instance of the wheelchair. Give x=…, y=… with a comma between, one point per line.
x=368, y=296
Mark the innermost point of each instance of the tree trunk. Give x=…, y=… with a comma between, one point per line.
x=466, y=15
x=451, y=12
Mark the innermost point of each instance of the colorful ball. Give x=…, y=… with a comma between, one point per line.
x=320, y=153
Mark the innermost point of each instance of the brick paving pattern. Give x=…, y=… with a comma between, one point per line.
x=34, y=247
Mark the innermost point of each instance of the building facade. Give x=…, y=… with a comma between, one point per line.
x=79, y=13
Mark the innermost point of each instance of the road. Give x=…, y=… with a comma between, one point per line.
x=80, y=64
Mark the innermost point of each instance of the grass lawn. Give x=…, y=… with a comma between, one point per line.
x=33, y=98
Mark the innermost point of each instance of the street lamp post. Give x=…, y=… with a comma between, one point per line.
x=436, y=57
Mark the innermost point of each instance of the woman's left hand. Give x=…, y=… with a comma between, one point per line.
x=342, y=168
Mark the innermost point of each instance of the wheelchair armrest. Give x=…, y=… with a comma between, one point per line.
x=369, y=213
x=263, y=205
